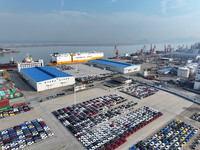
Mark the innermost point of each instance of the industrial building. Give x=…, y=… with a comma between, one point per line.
x=165, y=71
x=197, y=78
x=115, y=66
x=28, y=63
x=188, y=70
x=44, y=78
x=183, y=72
x=121, y=80
x=166, y=59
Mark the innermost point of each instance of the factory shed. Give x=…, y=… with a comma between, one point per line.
x=165, y=71
x=121, y=80
x=166, y=59
x=44, y=78
x=115, y=66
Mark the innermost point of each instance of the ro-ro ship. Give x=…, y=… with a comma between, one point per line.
x=63, y=58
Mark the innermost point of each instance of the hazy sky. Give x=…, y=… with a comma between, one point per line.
x=99, y=20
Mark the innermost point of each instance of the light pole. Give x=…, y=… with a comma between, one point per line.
x=74, y=95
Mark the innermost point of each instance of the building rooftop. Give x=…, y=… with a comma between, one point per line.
x=167, y=69
x=44, y=73
x=120, y=79
x=112, y=63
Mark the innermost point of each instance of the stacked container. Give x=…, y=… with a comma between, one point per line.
x=9, y=91
x=4, y=104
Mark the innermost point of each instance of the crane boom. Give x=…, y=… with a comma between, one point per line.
x=116, y=52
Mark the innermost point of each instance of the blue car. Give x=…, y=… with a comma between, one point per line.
x=10, y=130
x=167, y=131
x=133, y=148
x=166, y=142
x=11, y=134
x=23, y=125
x=15, y=139
x=156, y=140
x=186, y=140
x=4, y=134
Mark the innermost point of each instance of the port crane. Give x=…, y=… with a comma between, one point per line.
x=168, y=49
x=152, y=50
x=116, y=52
x=142, y=50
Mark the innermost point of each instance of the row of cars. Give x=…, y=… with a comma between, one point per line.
x=113, y=134
x=173, y=136
x=95, y=131
x=64, y=67
x=54, y=96
x=196, y=143
x=86, y=114
x=139, y=91
x=16, y=110
x=196, y=116
x=25, y=134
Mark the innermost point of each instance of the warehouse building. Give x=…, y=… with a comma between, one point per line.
x=121, y=80
x=44, y=78
x=115, y=66
x=197, y=77
x=165, y=71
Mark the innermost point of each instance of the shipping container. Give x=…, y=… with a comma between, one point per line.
x=4, y=102
x=4, y=108
x=9, y=91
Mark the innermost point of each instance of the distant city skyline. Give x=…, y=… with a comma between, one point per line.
x=117, y=21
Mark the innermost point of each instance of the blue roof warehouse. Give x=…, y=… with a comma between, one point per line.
x=44, y=78
x=115, y=66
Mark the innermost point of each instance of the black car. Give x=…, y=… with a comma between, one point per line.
x=37, y=139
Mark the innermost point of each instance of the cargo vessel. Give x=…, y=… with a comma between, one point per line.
x=9, y=66
x=64, y=58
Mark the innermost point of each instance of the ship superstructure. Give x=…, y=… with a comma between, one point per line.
x=28, y=63
x=75, y=57
x=193, y=52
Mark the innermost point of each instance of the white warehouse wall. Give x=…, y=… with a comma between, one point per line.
x=48, y=84
x=29, y=80
x=55, y=83
x=130, y=69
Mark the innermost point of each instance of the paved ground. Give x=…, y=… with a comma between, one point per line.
x=2, y=79
x=30, y=93
x=81, y=70
x=170, y=105
x=18, y=119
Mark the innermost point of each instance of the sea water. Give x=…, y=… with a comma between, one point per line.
x=44, y=52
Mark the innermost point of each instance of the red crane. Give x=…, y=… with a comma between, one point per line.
x=152, y=50
x=116, y=52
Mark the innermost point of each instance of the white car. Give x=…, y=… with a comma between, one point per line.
x=39, y=119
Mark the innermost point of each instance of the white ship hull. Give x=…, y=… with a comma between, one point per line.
x=75, y=58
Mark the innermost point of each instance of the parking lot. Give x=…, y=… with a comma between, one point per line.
x=171, y=106
x=174, y=135
x=139, y=91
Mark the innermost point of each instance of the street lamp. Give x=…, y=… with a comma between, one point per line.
x=74, y=94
